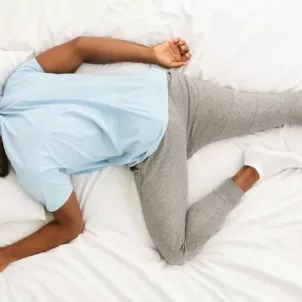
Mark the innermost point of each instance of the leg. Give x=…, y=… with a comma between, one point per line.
x=161, y=180
x=217, y=112
x=162, y=183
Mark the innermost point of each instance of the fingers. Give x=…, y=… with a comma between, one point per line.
x=176, y=40
x=178, y=64
x=183, y=48
x=174, y=47
x=186, y=57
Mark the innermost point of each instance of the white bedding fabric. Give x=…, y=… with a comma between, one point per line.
x=16, y=204
x=257, y=255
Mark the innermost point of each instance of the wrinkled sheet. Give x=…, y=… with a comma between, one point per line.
x=256, y=256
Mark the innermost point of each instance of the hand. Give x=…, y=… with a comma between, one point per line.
x=3, y=260
x=172, y=53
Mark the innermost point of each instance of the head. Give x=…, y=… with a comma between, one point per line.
x=4, y=165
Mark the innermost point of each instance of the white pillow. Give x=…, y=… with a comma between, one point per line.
x=16, y=204
x=13, y=231
x=9, y=60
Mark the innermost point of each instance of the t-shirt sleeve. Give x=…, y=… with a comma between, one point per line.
x=53, y=187
x=29, y=66
x=20, y=75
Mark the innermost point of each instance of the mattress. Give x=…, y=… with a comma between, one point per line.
x=256, y=255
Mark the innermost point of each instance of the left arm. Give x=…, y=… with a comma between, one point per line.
x=67, y=57
x=68, y=224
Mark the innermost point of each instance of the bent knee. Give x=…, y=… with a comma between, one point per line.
x=175, y=260
x=173, y=247
x=176, y=256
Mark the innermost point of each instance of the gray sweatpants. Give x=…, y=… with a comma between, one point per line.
x=199, y=113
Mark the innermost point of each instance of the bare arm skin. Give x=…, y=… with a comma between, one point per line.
x=67, y=226
x=67, y=57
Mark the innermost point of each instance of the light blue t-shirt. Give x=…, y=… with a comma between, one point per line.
x=54, y=125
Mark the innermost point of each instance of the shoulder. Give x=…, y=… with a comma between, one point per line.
x=22, y=73
x=25, y=149
x=45, y=181
x=52, y=187
x=29, y=66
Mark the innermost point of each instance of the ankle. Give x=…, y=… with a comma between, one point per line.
x=246, y=177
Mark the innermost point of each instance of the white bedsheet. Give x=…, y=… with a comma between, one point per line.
x=257, y=255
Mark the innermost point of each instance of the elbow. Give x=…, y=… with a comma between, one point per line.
x=78, y=229
x=78, y=40
x=82, y=227
x=78, y=44
x=74, y=230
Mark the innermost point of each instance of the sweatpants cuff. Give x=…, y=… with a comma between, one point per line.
x=229, y=192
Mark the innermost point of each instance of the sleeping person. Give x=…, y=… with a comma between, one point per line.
x=54, y=123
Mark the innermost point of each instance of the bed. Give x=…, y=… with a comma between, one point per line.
x=257, y=254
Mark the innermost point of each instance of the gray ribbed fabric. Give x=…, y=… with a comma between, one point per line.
x=199, y=113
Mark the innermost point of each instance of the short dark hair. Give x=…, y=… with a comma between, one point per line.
x=4, y=163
